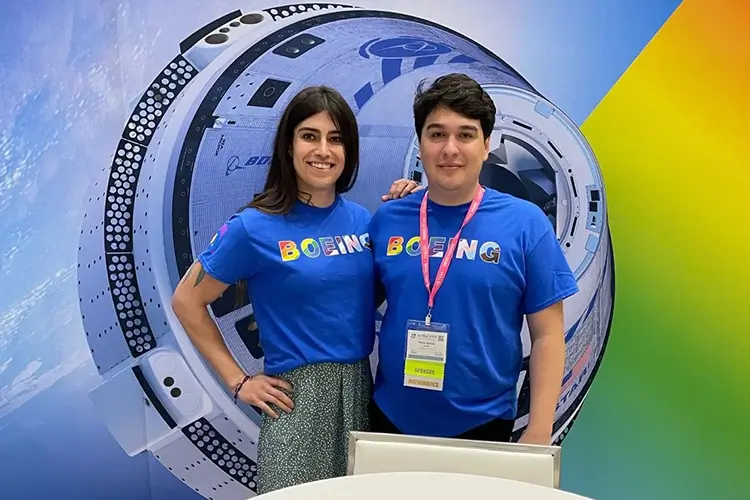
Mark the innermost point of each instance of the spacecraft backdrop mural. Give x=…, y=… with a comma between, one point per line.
x=132, y=130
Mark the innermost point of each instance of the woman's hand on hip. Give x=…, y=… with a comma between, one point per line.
x=261, y=391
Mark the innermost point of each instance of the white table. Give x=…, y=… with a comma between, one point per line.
x=418, y=485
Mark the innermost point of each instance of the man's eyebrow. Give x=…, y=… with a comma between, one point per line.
x=473, y=128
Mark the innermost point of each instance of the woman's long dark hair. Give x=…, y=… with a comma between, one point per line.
x=281, y=192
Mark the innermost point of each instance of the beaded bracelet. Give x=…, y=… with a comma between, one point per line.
x=239, y=386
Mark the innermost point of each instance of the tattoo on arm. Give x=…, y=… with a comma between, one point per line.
x=187, y=273
x=200, y=276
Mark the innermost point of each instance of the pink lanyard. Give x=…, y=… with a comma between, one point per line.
x=448, y=256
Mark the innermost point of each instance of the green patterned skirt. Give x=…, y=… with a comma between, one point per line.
x=311, y=442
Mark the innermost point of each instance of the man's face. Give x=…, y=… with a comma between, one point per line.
x=452, y=149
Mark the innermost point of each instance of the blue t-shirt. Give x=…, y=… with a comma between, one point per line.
x=310, y=276
x=508, y=263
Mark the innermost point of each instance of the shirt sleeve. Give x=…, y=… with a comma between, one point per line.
x=229, y=255
x=372, y=232
x=548, y=275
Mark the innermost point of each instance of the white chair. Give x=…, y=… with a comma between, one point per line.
x=372, y=452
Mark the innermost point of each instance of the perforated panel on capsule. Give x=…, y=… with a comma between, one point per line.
x=106, y=342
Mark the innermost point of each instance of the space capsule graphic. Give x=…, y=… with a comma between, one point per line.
x=196, y=148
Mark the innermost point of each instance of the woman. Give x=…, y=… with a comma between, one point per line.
x=303, y=253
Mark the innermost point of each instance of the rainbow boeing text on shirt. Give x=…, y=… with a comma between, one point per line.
x=489, y=251
x=328, y=246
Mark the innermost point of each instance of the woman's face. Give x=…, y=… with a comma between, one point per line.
x=318, y=154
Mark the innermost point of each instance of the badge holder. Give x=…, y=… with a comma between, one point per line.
x=426, y=350
x=427, y=342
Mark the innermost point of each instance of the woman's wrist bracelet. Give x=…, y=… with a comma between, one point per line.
x=239, y=386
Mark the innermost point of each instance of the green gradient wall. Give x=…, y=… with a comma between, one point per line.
x=669, y=413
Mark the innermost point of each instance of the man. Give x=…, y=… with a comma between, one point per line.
x=461, y=265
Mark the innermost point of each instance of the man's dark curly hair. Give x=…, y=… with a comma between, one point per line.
x=459, y=93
